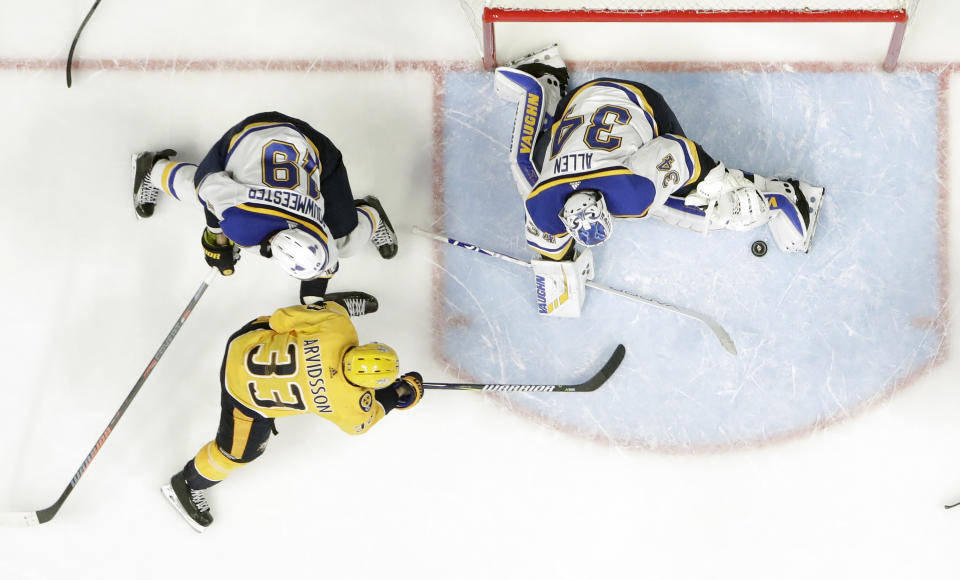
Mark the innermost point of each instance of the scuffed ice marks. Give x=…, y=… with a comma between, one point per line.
x=804, y=324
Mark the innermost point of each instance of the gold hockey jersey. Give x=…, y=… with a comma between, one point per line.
x=292, y=366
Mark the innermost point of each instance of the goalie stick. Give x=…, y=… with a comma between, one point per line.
x=76, y=38
x=591, y=384
x=714, y=326
x=23, y=519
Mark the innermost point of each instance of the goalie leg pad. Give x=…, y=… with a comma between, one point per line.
x=529, y=94
x=795, y=208
x=561, y=286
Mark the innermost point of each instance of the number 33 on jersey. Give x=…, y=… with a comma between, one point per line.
x=289, y=364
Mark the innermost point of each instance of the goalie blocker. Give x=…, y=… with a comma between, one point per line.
x=561, y=286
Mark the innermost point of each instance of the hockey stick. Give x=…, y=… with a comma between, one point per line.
x=714, y=326
x=76, y=37
x=591, y=384
x=24, y=519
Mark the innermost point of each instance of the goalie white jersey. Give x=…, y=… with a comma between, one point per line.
x=605, y=119
x=619, y=139
x=614, y=137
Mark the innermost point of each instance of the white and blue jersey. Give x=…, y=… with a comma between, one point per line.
x=270, y=172
x=616, y=137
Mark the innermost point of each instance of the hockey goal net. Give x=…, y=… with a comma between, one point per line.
x=484, y=14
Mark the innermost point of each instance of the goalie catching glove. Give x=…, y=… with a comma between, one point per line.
x=219, y=251
x=729, y=200
x=733, y=201
x=561, y=286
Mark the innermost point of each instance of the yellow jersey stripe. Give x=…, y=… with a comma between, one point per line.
x=165, y=179
x=371, y=215
x=241, y=433
x=212, y=464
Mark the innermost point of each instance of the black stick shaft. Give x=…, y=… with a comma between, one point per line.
x=76, y=38
x=45, y=515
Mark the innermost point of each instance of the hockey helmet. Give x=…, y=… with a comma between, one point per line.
x=302, y=254
x=586, y=217
x=372, y=366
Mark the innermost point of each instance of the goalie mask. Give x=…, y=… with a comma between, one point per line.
x=586, y=217
x=372, y=366
x=301, y=254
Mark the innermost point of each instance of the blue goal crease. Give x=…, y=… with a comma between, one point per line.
x=818, y=334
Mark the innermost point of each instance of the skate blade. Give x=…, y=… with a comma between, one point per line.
x=133, y=166
x=172, y=498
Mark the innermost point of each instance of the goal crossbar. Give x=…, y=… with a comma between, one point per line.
x=492, y=15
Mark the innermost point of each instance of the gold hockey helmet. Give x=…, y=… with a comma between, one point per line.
x=373, y=365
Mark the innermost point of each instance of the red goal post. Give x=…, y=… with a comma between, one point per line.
x=492, y=12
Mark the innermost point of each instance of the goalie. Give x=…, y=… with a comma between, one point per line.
x=614, y=149
x=302, y=359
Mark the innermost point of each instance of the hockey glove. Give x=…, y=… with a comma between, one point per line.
x=219, y=251
x=561, y=286
x=409, y=389
x=730, y=200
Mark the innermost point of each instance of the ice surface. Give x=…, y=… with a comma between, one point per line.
x=802, y=323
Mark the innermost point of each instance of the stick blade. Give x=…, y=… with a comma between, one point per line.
x=609, y=367
x=723, y=337
x=591, y=384
x=19, y=519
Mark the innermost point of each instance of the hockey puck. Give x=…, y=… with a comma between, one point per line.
x=759, y=248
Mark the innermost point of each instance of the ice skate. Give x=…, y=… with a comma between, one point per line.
x=191, y=504
x=545, y=61
x=384, y=237
x=356, y=303
x=145, y=194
